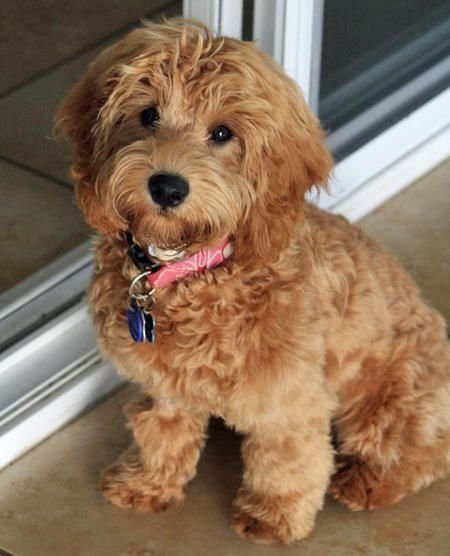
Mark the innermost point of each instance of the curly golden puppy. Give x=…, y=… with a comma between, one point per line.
x=221, y=291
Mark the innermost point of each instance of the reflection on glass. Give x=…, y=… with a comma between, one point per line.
x=44, y=50
x=371, y=50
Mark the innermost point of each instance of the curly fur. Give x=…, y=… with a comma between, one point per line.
x=309, y=325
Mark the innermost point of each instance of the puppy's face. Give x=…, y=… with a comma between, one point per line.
x=184, y=139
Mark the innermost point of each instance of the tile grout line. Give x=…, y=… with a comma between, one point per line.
x=86, y=49
x=31, y=170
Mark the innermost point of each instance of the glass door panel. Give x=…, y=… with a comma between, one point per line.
x=382, y=59
x=45, y=47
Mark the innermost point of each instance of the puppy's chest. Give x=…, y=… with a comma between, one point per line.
x=204, y=325
x=201, y=338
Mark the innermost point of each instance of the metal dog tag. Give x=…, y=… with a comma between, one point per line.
x=149, y=327
x=141, y=323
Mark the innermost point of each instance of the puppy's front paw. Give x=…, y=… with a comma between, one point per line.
x=127, y=485
x=118, y=489
x=268, y=519
x=257, y=530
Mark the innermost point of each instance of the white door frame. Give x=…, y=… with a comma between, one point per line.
x=224, y=16
x=291, y=32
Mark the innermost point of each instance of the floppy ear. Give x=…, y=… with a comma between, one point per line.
x=75, y=120
x=294, y=160
x=307, y=161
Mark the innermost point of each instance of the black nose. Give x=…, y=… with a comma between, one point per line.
x=168, y=190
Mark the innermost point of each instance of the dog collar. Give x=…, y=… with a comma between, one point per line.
x=199, y=262
x=141, y=323
x=161, y=274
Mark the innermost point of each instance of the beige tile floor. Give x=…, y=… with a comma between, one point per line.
x=415, y=226
x=44, y=48
x=49, y=501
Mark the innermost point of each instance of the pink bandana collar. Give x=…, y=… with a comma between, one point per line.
x=141, y=323
x=200, y=261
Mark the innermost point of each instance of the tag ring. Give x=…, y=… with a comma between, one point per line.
x=135, y=281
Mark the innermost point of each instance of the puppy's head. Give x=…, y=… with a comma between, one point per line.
x=185, y=138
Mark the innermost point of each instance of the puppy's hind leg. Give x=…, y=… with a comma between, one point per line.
x=153, y=472
x=394, y=439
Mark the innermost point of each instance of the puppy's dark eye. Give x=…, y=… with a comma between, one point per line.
x=221, y=134
x=149, y=117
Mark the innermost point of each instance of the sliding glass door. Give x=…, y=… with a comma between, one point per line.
x=380, y=61
x=50, y=368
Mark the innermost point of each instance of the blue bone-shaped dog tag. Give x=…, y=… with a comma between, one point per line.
x=141, y=324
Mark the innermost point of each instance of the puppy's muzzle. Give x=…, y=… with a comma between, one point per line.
x=168, y=190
